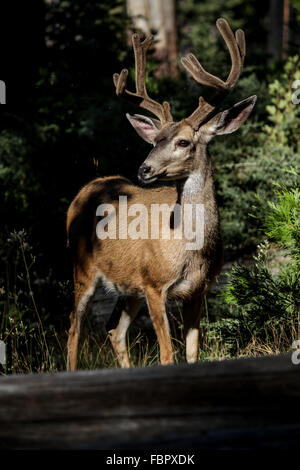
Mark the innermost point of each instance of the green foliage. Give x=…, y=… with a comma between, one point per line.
x=250, y=162
x=265, y=295
x=282, y=221
x=282, y=112
x=14, y=169
x=296, y=5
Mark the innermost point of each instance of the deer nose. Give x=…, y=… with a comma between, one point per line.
x=144, y=171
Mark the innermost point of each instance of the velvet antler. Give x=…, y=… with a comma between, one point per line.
x=141, y=97
x=237, y=49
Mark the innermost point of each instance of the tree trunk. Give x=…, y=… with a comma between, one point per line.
x=285, y=28
x=158, y=16
x=275, y=29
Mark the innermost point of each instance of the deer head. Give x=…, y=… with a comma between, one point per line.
x=178, y=146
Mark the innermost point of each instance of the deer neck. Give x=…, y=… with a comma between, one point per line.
x=198, y=187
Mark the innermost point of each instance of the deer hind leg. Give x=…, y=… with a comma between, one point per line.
x=191, y=320
x=84, y=294
x=117, y=335
x=158, y=315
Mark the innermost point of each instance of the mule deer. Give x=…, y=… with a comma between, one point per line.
x=157, y=269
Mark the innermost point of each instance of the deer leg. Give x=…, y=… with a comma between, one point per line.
x=84, y=294
x=158, y=315
x=117, y=335
x=191, y=320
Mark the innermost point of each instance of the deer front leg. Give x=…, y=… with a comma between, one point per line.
x=73, y=340
x=157, y=311
x=84, y=294
x=191, y=320
x=117, y=335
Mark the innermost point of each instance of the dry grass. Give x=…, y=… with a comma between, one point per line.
x=48, y=353
x=37, y=348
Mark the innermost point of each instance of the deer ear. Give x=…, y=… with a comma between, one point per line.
x=146, y=127
x=231, y=120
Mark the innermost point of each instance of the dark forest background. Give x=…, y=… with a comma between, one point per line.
x=62, y=126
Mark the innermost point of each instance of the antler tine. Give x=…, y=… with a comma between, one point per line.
x=191, y=64
x=234, y=51
x=237, y=49
x=140, y=50
x=241, y=41
x=141, y=97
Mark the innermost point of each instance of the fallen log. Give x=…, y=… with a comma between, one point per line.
x=232, y=404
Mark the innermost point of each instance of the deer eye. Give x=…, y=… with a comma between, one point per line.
x=183, y=143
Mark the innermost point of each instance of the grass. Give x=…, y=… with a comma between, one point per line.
x=36, y=350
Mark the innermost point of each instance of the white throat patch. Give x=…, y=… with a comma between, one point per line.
x=193, y=184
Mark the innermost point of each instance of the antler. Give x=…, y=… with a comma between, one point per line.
x=237, y=48
x=141, y=97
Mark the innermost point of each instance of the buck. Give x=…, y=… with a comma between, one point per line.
x=157, y=269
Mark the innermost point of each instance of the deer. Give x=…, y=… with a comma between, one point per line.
x=179, y=165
